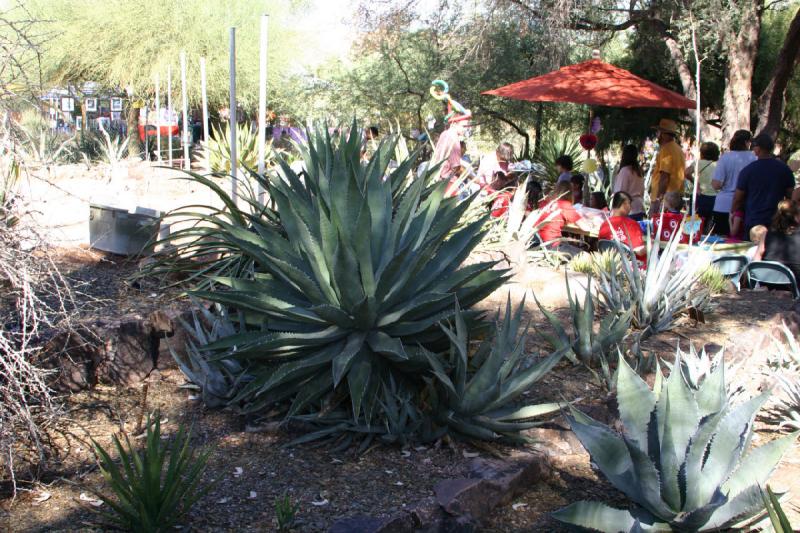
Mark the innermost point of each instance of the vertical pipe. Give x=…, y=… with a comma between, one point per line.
x=232, y=118
x=169, y=113
x=184, y=106
x=204, y=96
x=262, y=105
x=158, y=118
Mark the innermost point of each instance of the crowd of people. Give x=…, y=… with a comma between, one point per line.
x=744, y=193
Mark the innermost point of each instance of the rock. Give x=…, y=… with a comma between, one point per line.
x=491, y=483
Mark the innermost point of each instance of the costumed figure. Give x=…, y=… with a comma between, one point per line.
x=448, y=147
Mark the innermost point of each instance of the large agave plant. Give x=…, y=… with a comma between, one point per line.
x=684, y=457
x=659, y=294
x=346, y=291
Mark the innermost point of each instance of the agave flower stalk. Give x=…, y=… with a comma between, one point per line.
x=684, y=457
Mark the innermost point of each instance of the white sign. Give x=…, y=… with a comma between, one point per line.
x=67, y=104
x=116, y=104
x=91, y=105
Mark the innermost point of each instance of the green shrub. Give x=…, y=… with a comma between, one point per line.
x=155, y=487
x=684, y=457
x=713, y=280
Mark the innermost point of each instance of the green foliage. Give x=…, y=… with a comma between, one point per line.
x=777, y=518
x=481, y=404
x=216, y=152
x=112, y=150
x=713, y=280
x=285, y=512
x=155, y=487
x=657, y=296
x=784, y=359
x=551, y=149
x=38, y=144
x=342, y=292
x=684, y=457
x=8, y=190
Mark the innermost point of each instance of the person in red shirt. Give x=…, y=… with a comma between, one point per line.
x=557, y=210
x=622, y=228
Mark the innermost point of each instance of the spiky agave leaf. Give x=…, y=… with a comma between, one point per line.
x=479, y=403
x=657, y=296
x=684, y=456
x=347, y=291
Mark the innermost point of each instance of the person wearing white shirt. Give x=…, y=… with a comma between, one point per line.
x=726, y=176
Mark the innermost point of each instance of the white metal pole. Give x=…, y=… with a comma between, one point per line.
x=262, y=106
x=184, y=104
x=158, y=118
x=232, y=106
x=204, y=97
x=169, y=113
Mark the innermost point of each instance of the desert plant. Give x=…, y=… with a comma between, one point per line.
x=112, y=150
x=153, y=488
x=544, y=167
x=347, y=284
x=784, y=360
x=583, y=344
x=216, y=152
x=595, y=263
x=713, y=280
x=684, y=457
x=777, y=518
x=582, y=263
x=480, y=404
x=657, y=296
x=285, y=512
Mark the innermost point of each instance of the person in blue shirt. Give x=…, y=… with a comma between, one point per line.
x=762, y=184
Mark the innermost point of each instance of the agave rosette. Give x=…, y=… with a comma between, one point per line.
x=351, y=285
x=684, y=458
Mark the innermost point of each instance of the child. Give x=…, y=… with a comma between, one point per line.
x=668, y=222
x=622, y=228
x=576, y=185
x=502, y=184
x=597, y=200
x=757, y=234
x=564, y=166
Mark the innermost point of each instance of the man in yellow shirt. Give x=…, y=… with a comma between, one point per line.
x=670, y=164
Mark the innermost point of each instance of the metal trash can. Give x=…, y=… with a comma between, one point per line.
x=122, y=232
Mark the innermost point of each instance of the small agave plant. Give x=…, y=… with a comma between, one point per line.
x=584, y=344
x=657, y=296
x=684, y=458
x=481, y=403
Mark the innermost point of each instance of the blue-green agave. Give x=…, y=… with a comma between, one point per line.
x=348, y=280
x=684, y=458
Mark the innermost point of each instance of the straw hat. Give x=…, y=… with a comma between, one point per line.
x=667, y=126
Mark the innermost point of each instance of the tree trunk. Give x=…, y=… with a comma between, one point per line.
x=134, y=146
x=742, y=54
x=770, y=103
x=537, y=142
x=687, y=81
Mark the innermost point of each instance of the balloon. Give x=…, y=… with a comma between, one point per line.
x=596, y=125
x=588, y=141
x=691, y=225
x=455, y=111
x=589, y=166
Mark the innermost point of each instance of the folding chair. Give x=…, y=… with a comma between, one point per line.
x=731, y=266
x=770, y=273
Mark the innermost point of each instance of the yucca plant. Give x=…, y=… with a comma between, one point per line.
x=480, y=403
x=713, y=280
x=582, y=263
x=660, y=294
x=216, y=151
x=155, y=487
x=347, y=286
x=684, y=457
x=544, y=167
x=113, y=150
x=784, y=359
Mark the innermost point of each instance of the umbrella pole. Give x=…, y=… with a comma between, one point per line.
x=697, y=62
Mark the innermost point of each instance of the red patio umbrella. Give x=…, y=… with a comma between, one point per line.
x=594, y=82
